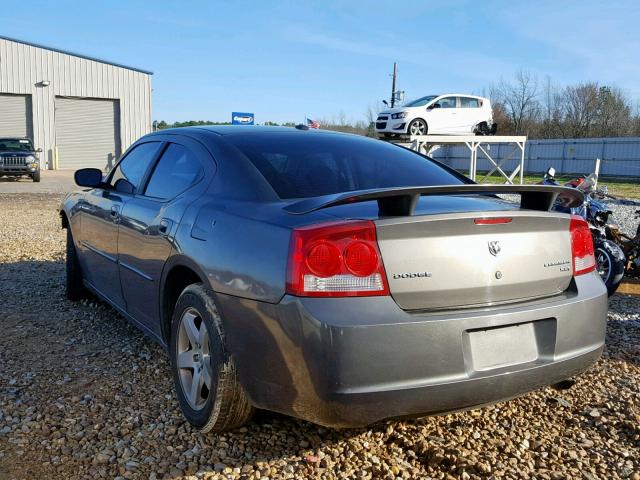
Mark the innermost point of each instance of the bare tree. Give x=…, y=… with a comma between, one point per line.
x=372, y=113
x=635, y=120
x=501, y=118
x=371, y=116
x=580, y=106
x=551, y=125
x=520, y=101
x=585, y=110
x=614, y=113
x=342, y=118
x=339, y=123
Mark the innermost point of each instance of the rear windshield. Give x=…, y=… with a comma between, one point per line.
x=15, y=145
x=311, y=165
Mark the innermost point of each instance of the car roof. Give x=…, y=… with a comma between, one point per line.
x=462, y=95
x=244, y=130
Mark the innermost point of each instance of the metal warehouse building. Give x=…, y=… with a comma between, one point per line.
x=81, y=111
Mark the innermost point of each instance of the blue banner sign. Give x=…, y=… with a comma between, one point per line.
x=241, y=118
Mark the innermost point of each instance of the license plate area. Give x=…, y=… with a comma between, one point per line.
x=506, y=346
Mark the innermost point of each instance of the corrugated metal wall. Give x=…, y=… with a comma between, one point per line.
x=24, y=67
x=620, y=156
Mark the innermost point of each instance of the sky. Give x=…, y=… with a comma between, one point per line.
x=284, y=60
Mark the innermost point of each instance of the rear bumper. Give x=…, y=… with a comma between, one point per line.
x=355, y=361
x=357, y=409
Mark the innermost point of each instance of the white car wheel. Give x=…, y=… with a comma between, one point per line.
x=417, y=127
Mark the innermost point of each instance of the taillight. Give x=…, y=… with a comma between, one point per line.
x=584, y=260
x=336, y=260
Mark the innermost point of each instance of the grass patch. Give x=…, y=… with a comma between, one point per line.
x=618, y=187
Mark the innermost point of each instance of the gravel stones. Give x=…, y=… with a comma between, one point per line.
x=84, y=395
x=624, y=216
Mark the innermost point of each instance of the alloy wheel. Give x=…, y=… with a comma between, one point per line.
x=418, y=128
x=194, y=359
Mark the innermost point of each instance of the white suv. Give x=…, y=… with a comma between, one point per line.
x=452, y=113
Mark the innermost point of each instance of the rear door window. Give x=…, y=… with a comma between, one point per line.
x=467, y=102
x=176, y=171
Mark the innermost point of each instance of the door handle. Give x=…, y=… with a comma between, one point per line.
x=165, y=226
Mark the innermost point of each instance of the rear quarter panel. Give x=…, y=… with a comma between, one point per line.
x=240, y=256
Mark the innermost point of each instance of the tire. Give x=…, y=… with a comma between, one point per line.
x=75, y=289
x=36, y=176
x=223, y=404
x=417, y=125
x=610, y=263
x=481, y=129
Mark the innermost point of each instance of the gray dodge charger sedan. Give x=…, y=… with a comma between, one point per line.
x=334, y=278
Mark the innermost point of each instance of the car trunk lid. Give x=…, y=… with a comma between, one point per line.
x=465, y=259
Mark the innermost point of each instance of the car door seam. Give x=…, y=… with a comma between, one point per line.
x=98, y=251
x=135, y=270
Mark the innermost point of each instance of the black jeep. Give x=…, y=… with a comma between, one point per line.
x=18, y=158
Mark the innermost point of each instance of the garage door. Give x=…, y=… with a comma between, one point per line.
x=87, y=132
x=15, y=116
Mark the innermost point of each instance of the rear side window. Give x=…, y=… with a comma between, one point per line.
x=176, y=171
x=300, y=165
x=466, y=102
x=135, y=164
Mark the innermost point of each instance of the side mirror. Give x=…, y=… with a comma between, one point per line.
x=385, y=102
x=124, y=186
x=88, y=177
x=433, y=105
x=38, y=150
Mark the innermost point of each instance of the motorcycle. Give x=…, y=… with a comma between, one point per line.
x=610, y=257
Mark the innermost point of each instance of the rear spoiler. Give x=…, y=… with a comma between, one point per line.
x=394, y=202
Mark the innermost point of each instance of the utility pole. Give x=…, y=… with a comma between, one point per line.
x=393, y=84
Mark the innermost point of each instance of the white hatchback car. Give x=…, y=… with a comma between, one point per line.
x=451, y=113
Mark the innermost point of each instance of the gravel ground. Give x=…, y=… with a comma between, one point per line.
x=84, y=395
x=52, y=181
x=625, y=216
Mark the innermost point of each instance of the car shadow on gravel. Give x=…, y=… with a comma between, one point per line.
x=12, y=179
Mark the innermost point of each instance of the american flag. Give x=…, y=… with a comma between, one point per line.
x=312, y=123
